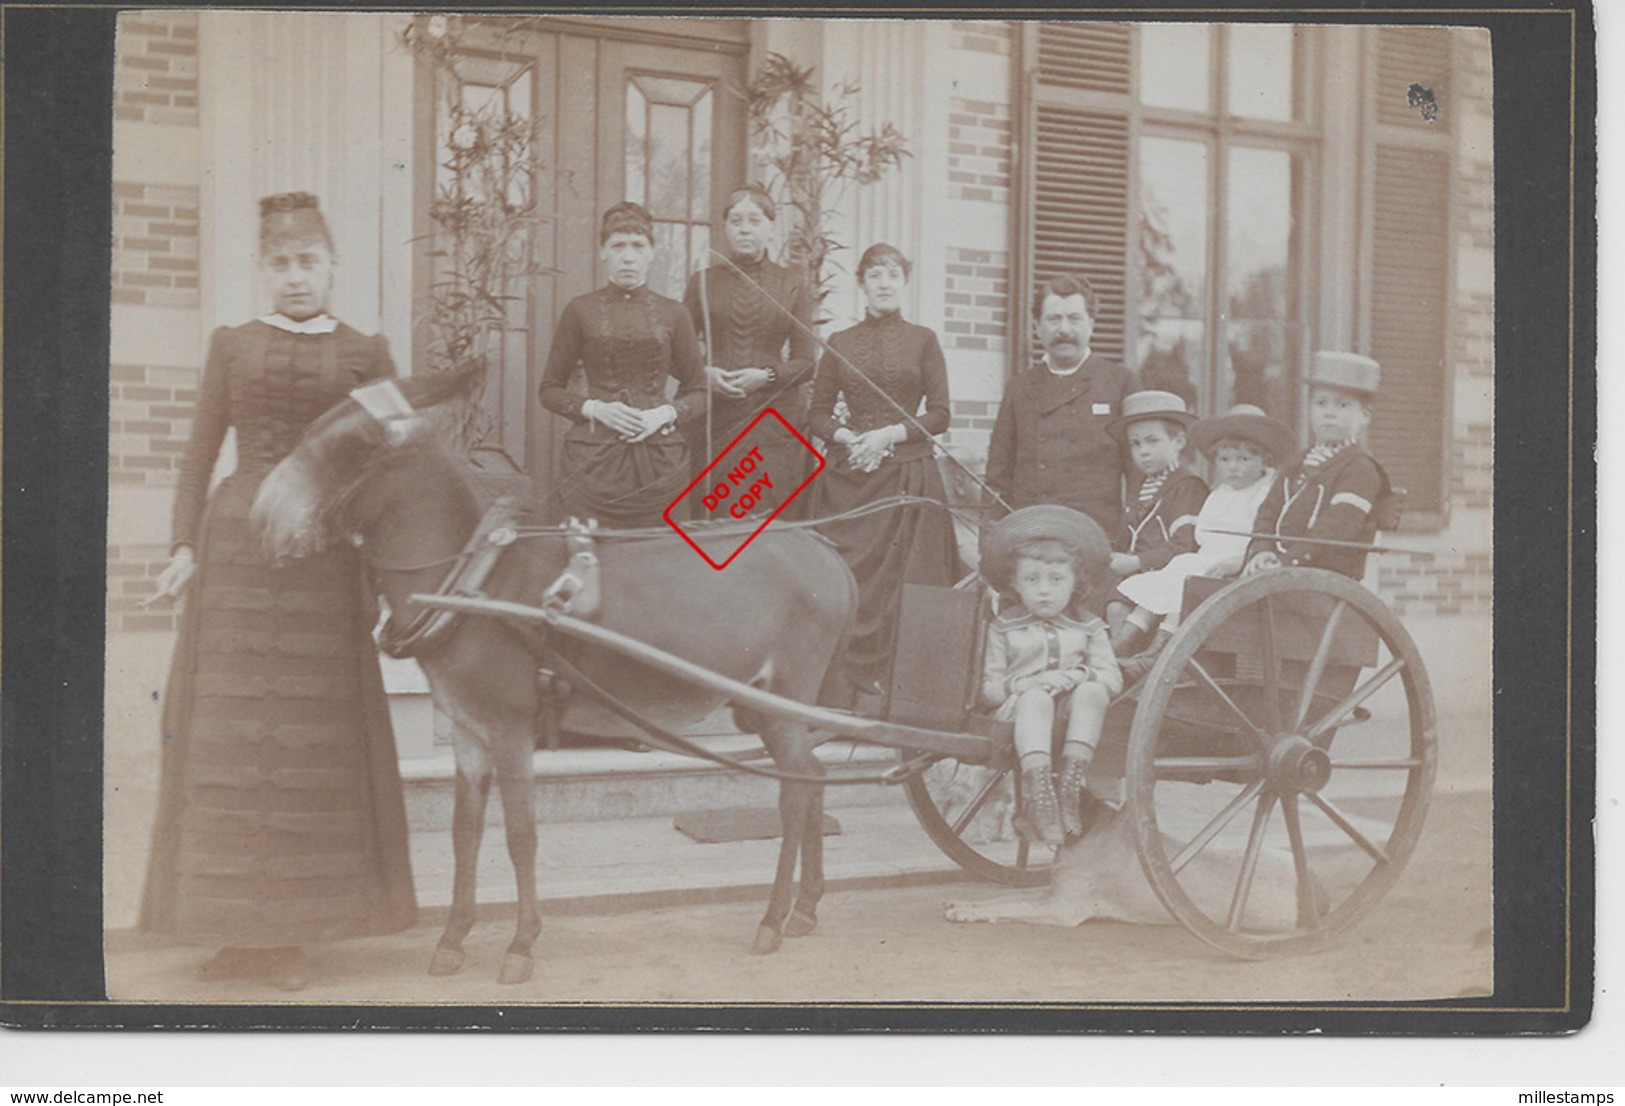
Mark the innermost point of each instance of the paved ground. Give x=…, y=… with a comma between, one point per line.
x=1430, y=938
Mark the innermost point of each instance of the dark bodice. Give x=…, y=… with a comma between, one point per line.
x=627, y=343
x=751, y=326
x=270, y=384
x=900, y=364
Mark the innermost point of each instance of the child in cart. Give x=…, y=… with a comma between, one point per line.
x=1159, y=522
x=1047, y=654
x=1338, y=496
x=1246, y=447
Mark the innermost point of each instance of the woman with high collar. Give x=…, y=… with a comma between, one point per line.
x=755, y=319
x=281, y=822
x=624, y=462
x=872, y=380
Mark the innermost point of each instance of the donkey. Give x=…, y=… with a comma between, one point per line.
x=774, y=618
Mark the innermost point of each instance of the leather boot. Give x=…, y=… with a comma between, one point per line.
x=1072, y=795
x=1138, y=665
x=1039, y=817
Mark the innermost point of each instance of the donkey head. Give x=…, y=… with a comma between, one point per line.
x=300, y=499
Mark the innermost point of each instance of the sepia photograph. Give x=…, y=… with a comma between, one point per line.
x=631, y=512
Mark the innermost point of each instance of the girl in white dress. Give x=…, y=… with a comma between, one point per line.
x=1247, y=449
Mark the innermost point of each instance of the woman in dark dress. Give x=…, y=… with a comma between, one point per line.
x=280, y=821
x=757, y=356
x=885, y=367
x=624, y=464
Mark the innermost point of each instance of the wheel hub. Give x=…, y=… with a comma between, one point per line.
x=1295, y=765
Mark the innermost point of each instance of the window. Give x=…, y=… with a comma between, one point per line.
x=668, y=170
x=1176, y=177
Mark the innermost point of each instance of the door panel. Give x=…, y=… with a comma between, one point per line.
x=615, y=118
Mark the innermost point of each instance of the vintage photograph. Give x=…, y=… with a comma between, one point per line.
x=674, y=510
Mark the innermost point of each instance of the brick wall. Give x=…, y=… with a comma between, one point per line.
x=1454, y=583
x=132, y=576
x=155, y=252
x=979, y=151
x=150, y=413
x=156, y=78
x=976, y=309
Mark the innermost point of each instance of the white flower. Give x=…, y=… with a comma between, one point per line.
x=438, y=26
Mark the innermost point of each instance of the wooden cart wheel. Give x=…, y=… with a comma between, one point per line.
x=1280, y=762
x=965, y=808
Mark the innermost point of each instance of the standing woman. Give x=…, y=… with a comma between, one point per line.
x=757, y=356
x=280, y=816
x=624, y=464
x=885, y=367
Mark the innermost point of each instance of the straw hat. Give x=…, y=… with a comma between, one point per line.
x=1251, y=424
x=1149, y=405
x=1071, y=528
x=1346, y=372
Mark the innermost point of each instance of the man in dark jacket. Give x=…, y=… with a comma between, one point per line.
x=1049, y=442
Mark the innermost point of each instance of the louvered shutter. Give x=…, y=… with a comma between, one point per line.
x=1077, y=187
x=1410, y=266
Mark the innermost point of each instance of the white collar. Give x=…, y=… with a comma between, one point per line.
x=316, y=324
x=1049, y=364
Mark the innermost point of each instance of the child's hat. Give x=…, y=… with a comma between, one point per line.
x=1149, y=405
x=1250, y=424
x=1072, y=528
x=1346, y=372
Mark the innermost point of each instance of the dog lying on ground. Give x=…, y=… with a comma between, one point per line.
x=1099, y=876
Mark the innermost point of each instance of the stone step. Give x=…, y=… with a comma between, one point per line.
x=602, y=784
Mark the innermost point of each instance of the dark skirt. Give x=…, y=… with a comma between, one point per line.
x=784, y=458
x=885, y=550
x=281, y=819
x=624, y=485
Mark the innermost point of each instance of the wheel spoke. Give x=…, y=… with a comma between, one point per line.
x=1215, y=826
x=1272, y=669
x=1249, y=861
x=1213, y=686
x=1335, y=716
x=1167, y=766
x=1342, y=822
x=1407, y=764
x=1317, y=667
x=1308, y=909
x=1023, y=850
x=976, y=804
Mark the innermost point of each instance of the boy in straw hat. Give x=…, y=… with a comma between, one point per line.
x=1336, y=490
x=1247, y=448
x=1047, y=653
x=1164, y=498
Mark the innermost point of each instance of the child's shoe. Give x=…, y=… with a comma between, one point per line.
x=1039, y=817
x=1077, y=804
x=1141, y=663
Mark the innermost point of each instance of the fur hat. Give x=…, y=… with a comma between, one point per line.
x=1070, y=527
x=1139, y=406
x=1250, y=424
x=1346, y=372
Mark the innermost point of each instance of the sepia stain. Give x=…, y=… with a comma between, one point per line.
x=1421, y=99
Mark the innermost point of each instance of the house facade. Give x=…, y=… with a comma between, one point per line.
x=1240, y=195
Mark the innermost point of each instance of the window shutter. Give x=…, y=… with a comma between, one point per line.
x=1410, y=266
x=1077, y=188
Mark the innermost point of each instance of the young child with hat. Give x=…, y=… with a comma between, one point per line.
x=1335, y=493
x=1247, y=448
x=1164, y=498
x=1047, y=653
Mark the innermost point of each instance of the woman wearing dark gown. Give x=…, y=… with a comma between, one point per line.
x=885, y=367
x=757, y=356
x=281, y=821
x=623, y=463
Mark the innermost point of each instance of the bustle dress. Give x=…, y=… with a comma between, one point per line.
x=281, y=819
x=626, y=343
x=753, y=321
x=901, y=365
